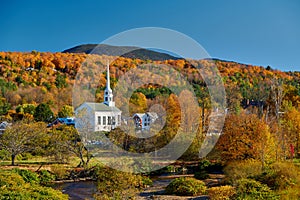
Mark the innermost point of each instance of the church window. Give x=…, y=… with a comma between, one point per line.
x=99, y=120
x=109, y=120
x=104, y=120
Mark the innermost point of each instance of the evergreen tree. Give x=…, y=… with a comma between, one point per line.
x=43, y=113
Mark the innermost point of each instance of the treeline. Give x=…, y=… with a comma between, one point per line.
x=40, y=85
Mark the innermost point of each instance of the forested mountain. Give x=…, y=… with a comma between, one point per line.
x=263, y=104
x=123, y=51
x=41, y=77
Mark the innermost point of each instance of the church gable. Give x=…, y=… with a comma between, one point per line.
x=101, y=116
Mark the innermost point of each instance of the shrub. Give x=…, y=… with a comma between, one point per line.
x=147, y=181
x=170, y=169
x=280, y=176
x=221, y=193
x=242, y=169
x=203, y=167
x=46, y=177
x=28, y=176
x=204, y=164
x=287, y=174
x=251, y=189
x=114, y=184
x=59, y=171
x=290, y=193
x=186, y=186
x=10, y=179
x=13, y=186
x=201, y=175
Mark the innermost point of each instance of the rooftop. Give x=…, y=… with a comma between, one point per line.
x=101, y=107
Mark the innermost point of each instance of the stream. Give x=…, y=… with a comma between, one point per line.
x=83, y=190
x=79, y=190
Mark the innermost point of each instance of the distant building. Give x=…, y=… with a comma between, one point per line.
x=3, y=126
x=143, y=121
x=99, y=116
x=67, y=120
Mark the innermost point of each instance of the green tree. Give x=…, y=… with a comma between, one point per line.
x=4, y=106
x=22, y=137
x=43, y=113
x=68, y=141
x=26, y=108
x=60, y=81
x=66, y=111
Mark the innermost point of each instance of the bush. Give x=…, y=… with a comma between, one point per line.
x=290, y=193
x=114, y=184
x=28, y=176
x=280, y=176
x=204, y=164
x=59, y=171
x=186, y=186
x=221, y=193
x=242, y=169
x=287, y=174
x=13, y=186
x=46, y=177
x=10, y=179
x=171, y=169
x=251, y=189
x=201, y=175
x=147, y=181
x=203, y=167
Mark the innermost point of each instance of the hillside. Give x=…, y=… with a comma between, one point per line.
x=124, y=51
x=37, y=77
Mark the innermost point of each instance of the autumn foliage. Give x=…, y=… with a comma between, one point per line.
x=30, y=79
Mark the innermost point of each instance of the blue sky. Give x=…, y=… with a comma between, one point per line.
x=259, y=32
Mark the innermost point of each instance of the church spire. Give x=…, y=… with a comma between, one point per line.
x=108, y=95
x=107, y=78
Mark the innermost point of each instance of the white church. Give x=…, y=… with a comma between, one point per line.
x=103, y=116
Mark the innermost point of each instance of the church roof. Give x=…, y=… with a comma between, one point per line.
x=102, y=107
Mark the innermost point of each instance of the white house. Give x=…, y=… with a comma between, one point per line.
x=3, y=126
x=99, y=116
x=143, y=121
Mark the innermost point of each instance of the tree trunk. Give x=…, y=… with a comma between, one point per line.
x=13, y=156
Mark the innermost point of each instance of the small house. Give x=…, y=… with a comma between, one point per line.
x=143, y=121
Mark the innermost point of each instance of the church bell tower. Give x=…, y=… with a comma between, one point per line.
x=108, y=95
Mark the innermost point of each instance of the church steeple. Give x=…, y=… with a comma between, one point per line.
x=108, y=95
